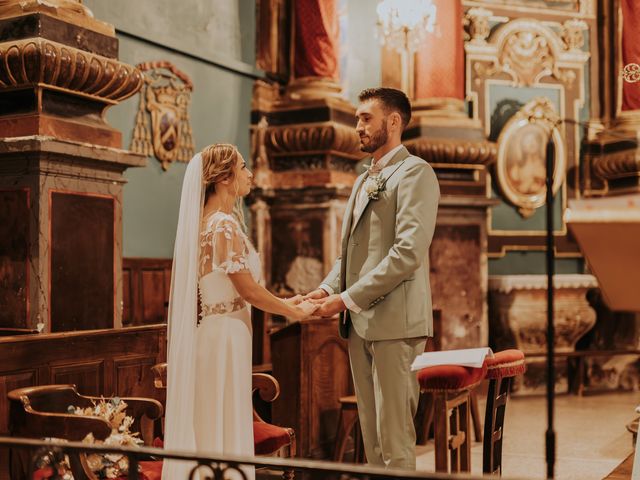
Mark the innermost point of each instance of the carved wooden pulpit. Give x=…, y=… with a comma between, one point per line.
x=311, y=362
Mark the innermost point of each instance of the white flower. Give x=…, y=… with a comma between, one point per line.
x=370, y=187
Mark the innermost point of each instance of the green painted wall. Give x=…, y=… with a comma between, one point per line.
x=220, y=104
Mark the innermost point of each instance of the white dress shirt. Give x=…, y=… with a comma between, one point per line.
x=358, y=208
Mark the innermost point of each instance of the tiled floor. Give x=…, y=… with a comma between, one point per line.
x=590, y=431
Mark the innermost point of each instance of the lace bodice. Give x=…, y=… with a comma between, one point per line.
x=224, y=249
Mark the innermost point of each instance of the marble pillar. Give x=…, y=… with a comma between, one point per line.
x=305, y=151
x=442, y=133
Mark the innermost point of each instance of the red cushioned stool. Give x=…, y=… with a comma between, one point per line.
x=500, y=371
x=451, y=386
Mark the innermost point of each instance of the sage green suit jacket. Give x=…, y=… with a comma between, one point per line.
x=384, y=265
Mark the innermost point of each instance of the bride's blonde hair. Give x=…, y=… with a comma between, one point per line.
x=218, y=163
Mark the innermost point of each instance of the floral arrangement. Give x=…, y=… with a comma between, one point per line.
x=110, y=465
x=374, y=186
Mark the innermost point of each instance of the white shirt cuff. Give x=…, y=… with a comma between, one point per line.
x=326, y=288
x=350, y=304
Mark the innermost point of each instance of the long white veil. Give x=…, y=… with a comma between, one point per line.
x=182, y=322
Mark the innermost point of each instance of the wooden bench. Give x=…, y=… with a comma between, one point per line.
x=42, y=412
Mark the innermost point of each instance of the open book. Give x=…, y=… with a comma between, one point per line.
x=467, y=357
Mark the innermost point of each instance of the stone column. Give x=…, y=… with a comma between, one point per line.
x=305, y=153
x=61, y=167
x=442, y=133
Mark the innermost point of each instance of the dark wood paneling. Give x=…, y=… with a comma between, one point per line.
x=14, y=247
x=11, y=381
x=154, y=296
x=100, y=362
x=133, y=376
x=82, y=256
x=8, y=382
x=87, y=376
x=146, y=287
x=126, y=297
x=311, y=363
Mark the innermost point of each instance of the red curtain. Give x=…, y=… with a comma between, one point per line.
x=630, y=51
x=317, y=36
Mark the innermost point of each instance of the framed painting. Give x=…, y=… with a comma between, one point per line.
x=522, y=153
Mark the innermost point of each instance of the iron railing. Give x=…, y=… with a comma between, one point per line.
x=49, y=452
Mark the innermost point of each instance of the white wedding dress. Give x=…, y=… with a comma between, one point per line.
x=223, y=420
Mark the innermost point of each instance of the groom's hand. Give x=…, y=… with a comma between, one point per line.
x=330, y=306
x=316, y=294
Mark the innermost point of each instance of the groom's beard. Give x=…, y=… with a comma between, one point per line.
x=376, y=139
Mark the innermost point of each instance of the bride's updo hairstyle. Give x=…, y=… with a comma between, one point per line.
x=218, y=164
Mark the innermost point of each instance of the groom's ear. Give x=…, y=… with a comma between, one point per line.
x=396, y=120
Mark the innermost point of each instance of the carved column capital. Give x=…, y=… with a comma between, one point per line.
x=40, y=61
x=449, y=151
x=476, y=22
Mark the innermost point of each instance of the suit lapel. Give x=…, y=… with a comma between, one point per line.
x=392, y=167
x=348, y=213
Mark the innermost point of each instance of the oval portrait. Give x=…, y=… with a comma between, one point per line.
x=521, y=164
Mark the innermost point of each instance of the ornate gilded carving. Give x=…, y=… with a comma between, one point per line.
x=476, y=21
x=311, y=138
x=529, y=55
x=573, y=34
x=631, y=73
x=527, y=51
x=438, y=150
x=165, y=97
x=38, y=61
x=521, y=164
x=618, y=165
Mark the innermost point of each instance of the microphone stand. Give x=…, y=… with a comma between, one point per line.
x=550, y=435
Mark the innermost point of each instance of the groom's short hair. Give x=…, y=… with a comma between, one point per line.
x=391, y=99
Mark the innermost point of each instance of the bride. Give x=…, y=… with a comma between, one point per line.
x=209, y=358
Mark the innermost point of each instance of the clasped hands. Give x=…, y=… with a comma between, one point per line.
x=323, y=304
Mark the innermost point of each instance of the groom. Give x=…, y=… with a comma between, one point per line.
x=380, y=284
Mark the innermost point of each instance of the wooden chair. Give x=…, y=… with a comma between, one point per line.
x=349, y=426
x=40, y=412
x=501, y=369
x=269, y=440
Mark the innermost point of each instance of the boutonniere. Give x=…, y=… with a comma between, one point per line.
x=374, y=187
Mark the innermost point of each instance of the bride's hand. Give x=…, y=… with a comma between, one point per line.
x=305, y=309
x=293, y=301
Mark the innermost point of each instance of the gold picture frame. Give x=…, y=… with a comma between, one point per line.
x=521, y=162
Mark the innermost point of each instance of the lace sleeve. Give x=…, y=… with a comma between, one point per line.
x=223, y=248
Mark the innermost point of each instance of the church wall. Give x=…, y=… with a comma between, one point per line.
x=151, y=30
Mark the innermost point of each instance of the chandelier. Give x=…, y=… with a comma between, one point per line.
x=404, y=24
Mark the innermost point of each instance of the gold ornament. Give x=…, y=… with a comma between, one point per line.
x=165, y=97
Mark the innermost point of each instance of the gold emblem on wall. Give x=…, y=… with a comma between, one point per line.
x=165, y=97
x=521, y=164
x=631, y=73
